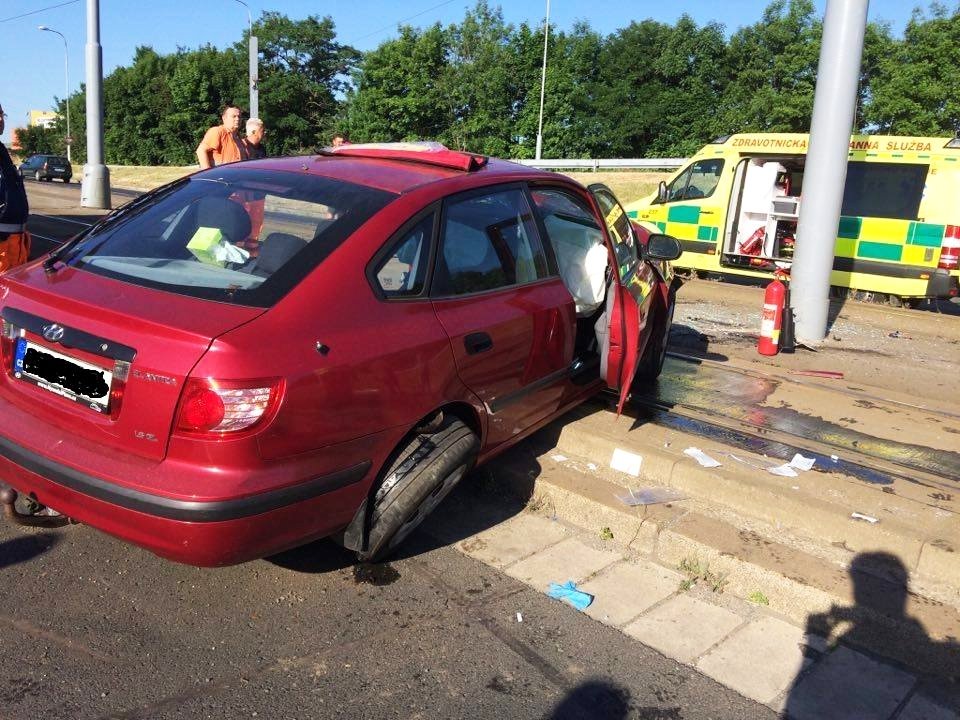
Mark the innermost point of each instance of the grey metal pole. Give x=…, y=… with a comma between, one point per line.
x=543, y=80
x=254, y=64
x=95, y=190
x=834, y=106
x=254, y=70
x=66, y=82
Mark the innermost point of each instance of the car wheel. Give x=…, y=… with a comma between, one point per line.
x=656, y=351
x=424, y=472
x=37, y=176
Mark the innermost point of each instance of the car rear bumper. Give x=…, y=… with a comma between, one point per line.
x=197, y=532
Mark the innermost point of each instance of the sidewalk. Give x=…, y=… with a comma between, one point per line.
x=823, y=595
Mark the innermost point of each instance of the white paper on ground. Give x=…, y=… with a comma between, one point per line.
x=701, y=457
x=802, y=463
x=861, y=516
x=784, y=470
x=626, y=462
x=650, y=496
x=558, y=458
x=519, y=617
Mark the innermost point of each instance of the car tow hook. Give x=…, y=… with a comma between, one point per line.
x=8, y=498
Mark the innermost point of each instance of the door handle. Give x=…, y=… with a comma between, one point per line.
x=476, y=343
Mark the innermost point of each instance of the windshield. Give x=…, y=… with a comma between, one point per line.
x=238, y=234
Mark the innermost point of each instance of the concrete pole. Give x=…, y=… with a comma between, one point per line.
x=254, y=70
x=95, y=190
x=543, y=80
x=834, y=106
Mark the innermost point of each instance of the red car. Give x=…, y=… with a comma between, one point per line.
x=267, y=353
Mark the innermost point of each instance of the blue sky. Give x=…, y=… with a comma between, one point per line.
x=33, y=61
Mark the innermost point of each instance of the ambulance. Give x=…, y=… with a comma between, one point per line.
x=734, y=207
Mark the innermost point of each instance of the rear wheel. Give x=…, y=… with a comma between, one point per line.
x=37, y=176
x=656, y=351
x=425, y=471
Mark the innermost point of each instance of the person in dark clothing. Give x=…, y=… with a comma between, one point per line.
x=14, y=238
x=253, y=142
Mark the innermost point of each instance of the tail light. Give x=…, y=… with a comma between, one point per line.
x=226, y=408
x=7, y=340
x=121, y=370
x=950, y=249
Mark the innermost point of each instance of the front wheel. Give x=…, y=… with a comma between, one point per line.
x=655, y=353
x=425, y=471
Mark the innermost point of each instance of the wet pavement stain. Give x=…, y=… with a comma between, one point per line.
x=739, y=396
x=378, y=575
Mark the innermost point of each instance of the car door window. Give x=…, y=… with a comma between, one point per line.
x=488, y=242
x=403, y=271
x=697, y=181
x=619, y=229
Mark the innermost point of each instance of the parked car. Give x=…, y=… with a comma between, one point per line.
x=271, y=352
x=46, y=167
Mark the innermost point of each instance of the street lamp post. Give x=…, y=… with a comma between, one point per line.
x=254, y=68
x=543, y=79
x=66, y=75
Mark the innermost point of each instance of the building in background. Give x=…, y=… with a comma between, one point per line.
x=41, y=118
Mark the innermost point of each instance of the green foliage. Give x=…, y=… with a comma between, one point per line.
x=648, y=89
x=39, y=139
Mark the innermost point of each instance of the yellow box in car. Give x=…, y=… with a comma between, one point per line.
x=204, y=243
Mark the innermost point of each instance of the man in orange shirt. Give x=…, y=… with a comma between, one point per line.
x=221, y=144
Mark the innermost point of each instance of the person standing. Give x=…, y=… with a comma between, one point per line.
x=221, y=144
x=14, y=209
x=253, y=142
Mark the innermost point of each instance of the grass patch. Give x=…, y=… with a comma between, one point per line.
x=140, y=177
x=700, y=572
x=759, y=598
x=627, y=185
x=606, y=534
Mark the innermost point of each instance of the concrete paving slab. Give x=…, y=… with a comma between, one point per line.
x=921, y=707
x=759, y=661
x=847, y=685
x=513, y=540
x=571, y=559
x=683, y=628
x=625, y=590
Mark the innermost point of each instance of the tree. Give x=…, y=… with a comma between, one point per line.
x=916, y=89
x=38, y=139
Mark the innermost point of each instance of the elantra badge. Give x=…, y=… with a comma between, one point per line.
x=53, y=332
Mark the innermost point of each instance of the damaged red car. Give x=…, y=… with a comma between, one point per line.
x=267, y=353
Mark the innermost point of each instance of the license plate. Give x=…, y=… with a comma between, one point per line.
x=59, y=170
x=63, y=375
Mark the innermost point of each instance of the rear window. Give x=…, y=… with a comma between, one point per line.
x=56, y=160
x=237, y=234
x=886, y=190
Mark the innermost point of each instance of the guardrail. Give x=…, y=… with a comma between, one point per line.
x=608, y=164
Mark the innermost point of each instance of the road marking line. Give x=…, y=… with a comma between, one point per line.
x=59, y=241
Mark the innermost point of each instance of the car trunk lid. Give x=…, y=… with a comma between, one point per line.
x=102, y=359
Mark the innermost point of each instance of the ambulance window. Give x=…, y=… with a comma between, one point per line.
x=885, y=190
x=697, y=181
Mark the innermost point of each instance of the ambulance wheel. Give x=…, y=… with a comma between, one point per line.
x=424, y=472
x=655, y=353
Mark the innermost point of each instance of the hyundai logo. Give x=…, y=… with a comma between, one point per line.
x=53, y=333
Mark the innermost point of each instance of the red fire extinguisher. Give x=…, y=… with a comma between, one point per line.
x=772, y=317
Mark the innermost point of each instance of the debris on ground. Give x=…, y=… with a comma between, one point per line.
x=802, y=463
x=701, y=457
x=558, y=458
x=866, y=518
x=898, y=334
x=785, y=470
x=519, y=618
x=626, y=462
x=569, y=594
x=830, y=374
x=650, y=496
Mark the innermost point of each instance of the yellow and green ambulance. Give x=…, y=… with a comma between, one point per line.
x=734, y=207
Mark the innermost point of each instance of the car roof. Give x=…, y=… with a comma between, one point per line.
x=399, y=175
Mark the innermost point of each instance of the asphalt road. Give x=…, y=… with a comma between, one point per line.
x=94, y=628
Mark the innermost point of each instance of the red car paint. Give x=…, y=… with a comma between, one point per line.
x=353, y=373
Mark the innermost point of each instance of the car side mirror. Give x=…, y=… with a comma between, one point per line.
x=662, y=192
x=663, y=247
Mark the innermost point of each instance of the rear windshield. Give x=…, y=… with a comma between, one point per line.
x=56, y=160
x=235, y=234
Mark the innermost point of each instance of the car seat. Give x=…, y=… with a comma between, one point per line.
x=226, y=215
x=275, y=251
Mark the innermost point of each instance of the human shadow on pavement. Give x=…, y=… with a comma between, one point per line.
x=853, y=680
x=690, y=341
x=594, y=699
x=22, y=549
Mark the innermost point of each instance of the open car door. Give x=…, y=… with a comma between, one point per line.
x=629, y=293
